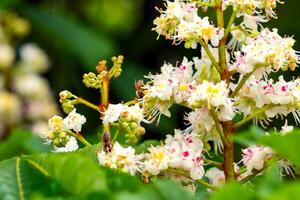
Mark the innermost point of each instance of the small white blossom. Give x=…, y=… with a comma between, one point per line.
x=74, y=121
x=71, y=146
x=33, y=58
x=254, y=157
x=216, y=176
x=121, y=158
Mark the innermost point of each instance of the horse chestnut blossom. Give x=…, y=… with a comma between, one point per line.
x=61, y=134
x=26, y=93
x=181, y=23
x=223, y=88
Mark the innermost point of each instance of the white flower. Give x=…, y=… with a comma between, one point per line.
x=33, y=58
x=120, y=158
x=180, y=151
x=55, y=123
x=156, y=160
x=74, y=121
x=268, y=48
x=71, y=145
x=254, y=157
x=31, y=85
x=112, y=113
x=131, y=113
x=210, y=94
x=7, y=56
x=216, y=176
x=200, y=120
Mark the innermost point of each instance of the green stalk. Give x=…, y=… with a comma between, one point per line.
x=250, y=117
x=218, y=126
x=231, y=21
x=240, y=85
x=209, y=54
x=222, y=44
x=87, y=103
x=80, y=138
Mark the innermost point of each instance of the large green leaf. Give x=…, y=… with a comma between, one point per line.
x=18, y=180
x=289, y=191
x=287, y=146
x=233, y=191
x=249, y=136
x=21, y=142
x=77, y=173
x=69, y=36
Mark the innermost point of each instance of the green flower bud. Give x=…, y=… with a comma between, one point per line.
x=51, y=135
x=56, y=141
x=62, y=135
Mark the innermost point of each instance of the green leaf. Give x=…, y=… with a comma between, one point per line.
x=70, y=36
x=78, y=174
x=18, y=179
x=250, y=136
x=287, y=146
x=233, y=191
x=269, y=182
x=21, y=142
x=289, y=191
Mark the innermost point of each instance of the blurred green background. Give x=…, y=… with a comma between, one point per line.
x=77, y=34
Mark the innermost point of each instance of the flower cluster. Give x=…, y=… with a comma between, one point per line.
x=267, y=49
x=62, y=131
x=128, y=117
x=251, y=7
x=254, y=157
x=221, y=91
x=282, y=97
x=180, y=152
x=25, y=94
x=121, y=158
x=181, y=23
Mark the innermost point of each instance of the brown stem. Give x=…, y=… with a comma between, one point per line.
x=228, y=164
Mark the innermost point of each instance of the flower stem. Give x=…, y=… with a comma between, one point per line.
x=79, y=137
x=218, y=126
x=206, y=184
x=213, y=163
x=231, y=21
x=250, y=117
x=222, y=43
x=131, y=102
x=87, y=103
x=117, y=133
x=209, y=54
x=240, y=85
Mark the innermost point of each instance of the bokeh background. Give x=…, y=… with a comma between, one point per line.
x=77, y=34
